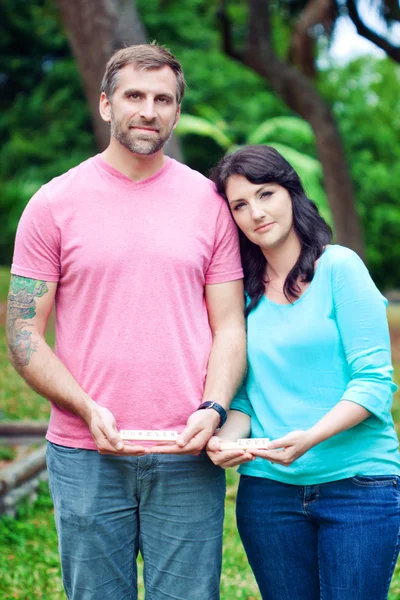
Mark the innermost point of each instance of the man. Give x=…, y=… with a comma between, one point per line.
x=140, y=255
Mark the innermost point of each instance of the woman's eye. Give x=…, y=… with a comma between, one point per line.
x=266, y=194
x=239, y=205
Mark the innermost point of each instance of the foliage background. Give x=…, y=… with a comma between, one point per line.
x=46, y=129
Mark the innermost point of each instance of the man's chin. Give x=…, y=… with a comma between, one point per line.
x=144, y=146
x=145, y=149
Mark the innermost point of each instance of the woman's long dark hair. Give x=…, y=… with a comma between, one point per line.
x=263, y=164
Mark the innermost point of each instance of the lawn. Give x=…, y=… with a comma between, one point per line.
x=29, y=565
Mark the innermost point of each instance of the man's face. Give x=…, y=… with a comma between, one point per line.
x=143, y=110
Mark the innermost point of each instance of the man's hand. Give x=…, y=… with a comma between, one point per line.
x=106, y=436
x=199, y=428
x=284, y=451
x=226, y=458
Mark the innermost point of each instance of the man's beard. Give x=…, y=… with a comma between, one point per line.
x=146, y=145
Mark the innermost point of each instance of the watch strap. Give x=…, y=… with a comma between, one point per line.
x=215, y=406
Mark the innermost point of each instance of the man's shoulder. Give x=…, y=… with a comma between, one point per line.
x=185, y=175
x=69, y=182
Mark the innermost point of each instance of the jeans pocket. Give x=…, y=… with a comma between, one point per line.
x=375, y=480
x=64, y=449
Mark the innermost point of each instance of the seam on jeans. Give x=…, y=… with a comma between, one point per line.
x=67, y=587
x=395, y=555
x=358, y=481
x=319, y=572
x=65, y=449
x=147, y=572
x=396, y=550
x=306, y=503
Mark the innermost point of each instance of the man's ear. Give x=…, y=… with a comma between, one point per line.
x=105, y=108
x=178, y=114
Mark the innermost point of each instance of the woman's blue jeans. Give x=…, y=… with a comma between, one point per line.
x=107, y=508
x=333, y=541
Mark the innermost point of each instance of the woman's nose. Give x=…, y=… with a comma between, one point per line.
x=257, y=213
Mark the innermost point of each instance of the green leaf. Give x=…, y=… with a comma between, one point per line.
x=198, y=126
x=301, y=131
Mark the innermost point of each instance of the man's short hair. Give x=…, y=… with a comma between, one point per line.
x=142, y=57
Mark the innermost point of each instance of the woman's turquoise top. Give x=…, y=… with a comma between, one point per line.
x=331, y=344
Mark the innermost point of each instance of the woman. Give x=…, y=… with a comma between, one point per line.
x=318, y=510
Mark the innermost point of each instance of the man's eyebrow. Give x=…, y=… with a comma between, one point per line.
x=166, y=95
x=130, y=91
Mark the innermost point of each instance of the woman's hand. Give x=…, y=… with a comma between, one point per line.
x=284, y=451
x=226, y=458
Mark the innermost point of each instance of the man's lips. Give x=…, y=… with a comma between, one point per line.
x=142, y=128
x=264, y=226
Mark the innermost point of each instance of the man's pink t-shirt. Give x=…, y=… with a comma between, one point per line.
x=131, y=261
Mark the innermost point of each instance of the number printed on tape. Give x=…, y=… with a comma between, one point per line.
x=149, y=435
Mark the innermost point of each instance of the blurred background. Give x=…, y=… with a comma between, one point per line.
x=317, y=79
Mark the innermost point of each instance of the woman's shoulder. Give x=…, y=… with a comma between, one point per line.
x=340, y=258
x=340, y=254
x=349, y=270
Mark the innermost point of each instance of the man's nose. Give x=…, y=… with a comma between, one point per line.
x=147, y=110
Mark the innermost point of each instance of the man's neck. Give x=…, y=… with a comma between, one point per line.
x=135, y=166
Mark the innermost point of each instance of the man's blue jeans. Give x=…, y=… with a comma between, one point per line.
x=107, y=508
x=334, y=541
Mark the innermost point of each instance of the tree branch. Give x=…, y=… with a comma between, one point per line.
x=372, y=36
x=303, y=43
x=226, y=32
x=298, y=92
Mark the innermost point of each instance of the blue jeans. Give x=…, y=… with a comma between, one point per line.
x=107, y=508
x=333, y=541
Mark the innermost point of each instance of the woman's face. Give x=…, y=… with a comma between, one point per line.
x=262, y=211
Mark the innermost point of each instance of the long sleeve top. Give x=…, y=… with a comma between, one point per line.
x=331, y=344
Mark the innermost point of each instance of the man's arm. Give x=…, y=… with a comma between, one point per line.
x=29, y=305
x=226, y=366
x=227, y=363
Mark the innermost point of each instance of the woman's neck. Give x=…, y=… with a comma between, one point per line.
x=281, y=260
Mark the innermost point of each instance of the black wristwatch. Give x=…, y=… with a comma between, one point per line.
x=220, y=410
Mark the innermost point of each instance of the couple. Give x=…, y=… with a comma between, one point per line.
x=141, y=257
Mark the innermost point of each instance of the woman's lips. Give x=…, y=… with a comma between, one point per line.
x=264, y=227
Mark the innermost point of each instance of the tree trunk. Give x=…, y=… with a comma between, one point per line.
x=298, y=92
x=96, y=29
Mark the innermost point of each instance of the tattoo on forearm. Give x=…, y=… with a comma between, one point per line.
x=22, y=307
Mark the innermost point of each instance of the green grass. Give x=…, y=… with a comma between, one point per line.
x=29, y=562
x=4, y=283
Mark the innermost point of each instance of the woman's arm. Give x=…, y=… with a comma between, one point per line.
x=360, y=313
x=289, y=448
